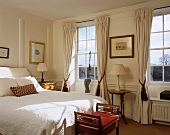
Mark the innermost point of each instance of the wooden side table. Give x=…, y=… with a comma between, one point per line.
x=48, y=85
x=121, y=93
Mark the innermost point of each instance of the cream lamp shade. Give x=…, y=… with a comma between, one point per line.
x=42, y=67
x=118, y=69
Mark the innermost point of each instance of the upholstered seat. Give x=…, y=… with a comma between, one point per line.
x=106, y=118
x=101, y=122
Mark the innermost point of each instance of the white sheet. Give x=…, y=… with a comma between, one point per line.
x=46, y=113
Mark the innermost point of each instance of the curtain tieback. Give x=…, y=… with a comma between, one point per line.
x=98, y=86
x=144, y=96
x=65, y=87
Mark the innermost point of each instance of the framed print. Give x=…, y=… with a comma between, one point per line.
x=122, y=46
x=4, y=52
x=37, y=52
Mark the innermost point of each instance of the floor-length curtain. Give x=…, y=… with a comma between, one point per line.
x=102, y=31
x=143, y=21
x=69, y=29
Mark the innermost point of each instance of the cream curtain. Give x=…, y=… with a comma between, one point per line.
x=102, y=31
x=143, y=21
x=69, y=36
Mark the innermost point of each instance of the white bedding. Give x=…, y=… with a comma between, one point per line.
x=46, y=113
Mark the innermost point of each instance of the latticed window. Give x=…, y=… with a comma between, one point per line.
x=160, y=49
x=86, y=53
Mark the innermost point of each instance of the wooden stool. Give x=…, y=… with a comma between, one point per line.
x=101, y=122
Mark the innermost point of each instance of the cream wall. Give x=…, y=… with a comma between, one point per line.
x=121, y=23
x=16, y=30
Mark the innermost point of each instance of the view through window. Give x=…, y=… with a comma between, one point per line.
x=160, y=49
x=87, y=53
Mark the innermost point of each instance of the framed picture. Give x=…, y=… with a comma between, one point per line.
x=37, y=52
x=122, y=46
x=4, y=52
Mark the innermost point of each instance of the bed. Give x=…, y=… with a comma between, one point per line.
x=42, y=113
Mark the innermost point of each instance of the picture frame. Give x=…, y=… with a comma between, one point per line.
x=122, y=46
x=4, y=52
x=37, y=52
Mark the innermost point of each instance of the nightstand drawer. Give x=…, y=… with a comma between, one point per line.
x=48, y=85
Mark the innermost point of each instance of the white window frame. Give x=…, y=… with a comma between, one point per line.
x=81, y=25
x=159, y=12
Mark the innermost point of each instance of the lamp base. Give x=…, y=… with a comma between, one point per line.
x=42, y=81
x=117, y=88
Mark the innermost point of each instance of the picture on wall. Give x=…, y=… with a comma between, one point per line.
x=122, y=46
x=4, y=52
x=37, y=52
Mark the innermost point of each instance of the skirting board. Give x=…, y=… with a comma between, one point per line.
x=162, y=122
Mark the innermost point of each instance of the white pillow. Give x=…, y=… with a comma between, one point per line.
x=20, y=72
x=5, y=72
x=5, y=84
x=29, y=80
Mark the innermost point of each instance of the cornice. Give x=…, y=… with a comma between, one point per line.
x=152, y=4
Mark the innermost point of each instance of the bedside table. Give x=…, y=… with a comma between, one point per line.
x=48, y=85
x=122, y=94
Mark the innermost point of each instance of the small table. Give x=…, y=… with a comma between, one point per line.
x=121, y=93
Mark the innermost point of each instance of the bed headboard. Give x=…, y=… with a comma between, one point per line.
x=13, y=72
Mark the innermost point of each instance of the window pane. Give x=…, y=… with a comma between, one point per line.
x=167, y=22
x=91, y=32
x=157, y=24
x=166, y=57
x=82, y=72
x=82, y=34
x=90, y=60
x=156, y=57
x=167, y=74
x=81, y=60
x=90, y=73
x=156, y=73
x=91, y=46
x=156, y=40
x=82, y=47
x=95, y=59
x=96, y=73
x=167, y=39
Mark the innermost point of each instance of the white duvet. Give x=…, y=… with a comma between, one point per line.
x=46, y=113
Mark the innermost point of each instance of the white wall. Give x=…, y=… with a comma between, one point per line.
x=16, y=30
x=121, y=23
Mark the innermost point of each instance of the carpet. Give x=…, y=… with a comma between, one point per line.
x=134, y=128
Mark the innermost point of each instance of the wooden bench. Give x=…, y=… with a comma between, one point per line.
x=101, y=122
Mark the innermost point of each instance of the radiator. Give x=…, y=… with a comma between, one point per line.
x=161, y=111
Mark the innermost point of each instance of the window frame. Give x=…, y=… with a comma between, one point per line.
x=158, y=83
x=84, y=25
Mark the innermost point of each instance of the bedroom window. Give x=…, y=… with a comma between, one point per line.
x=86, y=53
x=160, y=49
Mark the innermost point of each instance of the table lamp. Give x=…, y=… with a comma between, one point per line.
x=118, y=69
x=42, y=67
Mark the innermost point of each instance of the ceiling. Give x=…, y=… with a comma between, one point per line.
x=60, y=9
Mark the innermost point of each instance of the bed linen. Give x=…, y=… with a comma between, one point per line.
x=45, y=113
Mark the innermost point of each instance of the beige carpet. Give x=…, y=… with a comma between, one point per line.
x=134, y=128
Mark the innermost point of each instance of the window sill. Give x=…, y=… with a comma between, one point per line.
x=159, y=100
